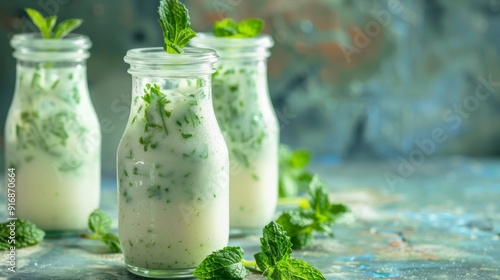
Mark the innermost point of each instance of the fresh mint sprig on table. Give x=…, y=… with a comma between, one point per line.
x=274, y=260
x=275, y=257
x=46, y=25
x=229, y=28
x=302, y=223
x=175, y=24
x=100, y=224
x=26, y=234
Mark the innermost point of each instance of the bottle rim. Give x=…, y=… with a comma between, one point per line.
x=32, y=47
x=254, y=47
x=156, y=61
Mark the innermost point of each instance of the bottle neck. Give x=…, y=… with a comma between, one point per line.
x=172, y=88
x=31, y=47
x=239, y=49
x=158, y=76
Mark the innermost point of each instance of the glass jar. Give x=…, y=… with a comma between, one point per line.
x=172, y=165
x=52, y=134
x=248, y=122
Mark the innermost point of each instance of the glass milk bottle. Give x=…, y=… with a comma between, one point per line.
x=173, y=165
x=248, y=122
x=52, y=134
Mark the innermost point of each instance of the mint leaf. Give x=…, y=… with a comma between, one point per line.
x=247, y=28
x=225, y=28
x=100, y=224
x=300, y=269
x=301, y=224
x=262, y=261
x=300, y=158
x=175, y=25
x=65, y=27
x=325, y=213
x=39, y=22
x=27, y=234
x=274, y=260
x=293, y=176
x=275, y=257
x=50, y=22
x=250, y=27
x=47, y=24
x=275, y=245
x=222, y=264
x=113, y=242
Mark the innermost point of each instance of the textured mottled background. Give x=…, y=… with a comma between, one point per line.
x=348, y=78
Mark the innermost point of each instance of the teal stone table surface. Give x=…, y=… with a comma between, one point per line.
x=439, y=219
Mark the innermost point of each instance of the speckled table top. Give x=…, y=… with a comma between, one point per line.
x=435, y=220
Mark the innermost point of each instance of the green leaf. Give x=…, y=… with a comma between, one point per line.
x=300, y=269
x=293, y=176
x=319, y=200
x=275, y=257
x=275, y=243
x=294, y=221
x=325, y=212
x=262, y=261
x=222, y=264
x=225, y=28
x=302, y=240
x=39, y=21
x=47, y=24
x=65, y=27
x=247, y=28
x=250, y=27
x=99, y=222
x=300, y=224
x=175, y=25
x=300, y=158
x=113, y=242
x=26, y=234
x=50, y=23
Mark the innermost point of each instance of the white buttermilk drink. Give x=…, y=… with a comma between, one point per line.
x=247, y=120
x=173, y=173
x=53, y=138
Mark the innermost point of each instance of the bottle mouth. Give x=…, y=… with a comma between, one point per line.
x=32, y=47
x=156, y=61
x=255, y=47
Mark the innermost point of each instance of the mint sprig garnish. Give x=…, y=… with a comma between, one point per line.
x=300, y=224
x=175, y=24
x=26, y=234
x=100, y=225
x=247, y=28
x=46, y=25
x=274, y=260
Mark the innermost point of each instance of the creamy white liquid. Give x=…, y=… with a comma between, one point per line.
x=56, y=154
x=173, y=198
x=55, y=201
x=247, y=120
x=252, y=202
